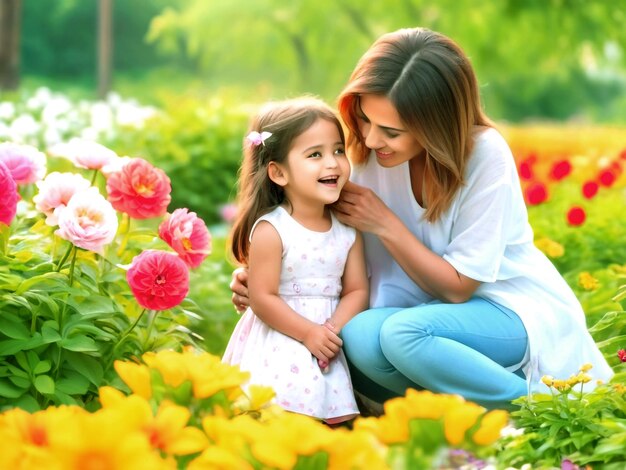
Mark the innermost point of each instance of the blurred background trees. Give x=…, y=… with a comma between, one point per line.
x=536, y=59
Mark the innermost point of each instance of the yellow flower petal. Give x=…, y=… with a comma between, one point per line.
x=490, y=427
x=136, y=376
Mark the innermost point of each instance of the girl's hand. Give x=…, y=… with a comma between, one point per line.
x=322, y=343
x=362, y=209
x=325, y=366
x=239, y=287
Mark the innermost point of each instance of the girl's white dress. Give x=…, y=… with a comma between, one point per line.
x=310, y=283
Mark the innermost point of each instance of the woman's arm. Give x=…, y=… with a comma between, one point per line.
x=355, y=287
x=361, y=208
x=263, y=281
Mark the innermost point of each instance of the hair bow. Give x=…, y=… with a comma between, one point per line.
x=256, y=138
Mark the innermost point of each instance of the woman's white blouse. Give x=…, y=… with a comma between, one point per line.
x=486, y=236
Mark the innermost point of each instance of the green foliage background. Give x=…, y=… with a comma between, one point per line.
x=554, y=59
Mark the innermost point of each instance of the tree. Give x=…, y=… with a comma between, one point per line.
x=105, y=49
x=10, y=16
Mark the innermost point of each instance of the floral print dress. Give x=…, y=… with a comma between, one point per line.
x=310, y=283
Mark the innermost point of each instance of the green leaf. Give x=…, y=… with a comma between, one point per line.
x=21, y=382
x=28, y=403
x=9, y=281
x=17, y=300
x=76, y=384
x=46, y=281
x=44, y=384
x=11, y=346
x=41, y=367
x=13, y=328
x=79, y=343
x=8, y=390
x=50, y=334
x=86, y=366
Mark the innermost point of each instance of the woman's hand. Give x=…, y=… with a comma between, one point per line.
x=239, y=287
x=362, y=209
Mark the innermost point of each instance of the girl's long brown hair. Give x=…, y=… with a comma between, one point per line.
x=431, y=83
x=257, y=194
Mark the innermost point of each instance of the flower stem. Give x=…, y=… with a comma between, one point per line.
x=125, y=221
x=153, y=316
x=64, y=258
x=72, y=264
x=93, y=178
x=125, y=335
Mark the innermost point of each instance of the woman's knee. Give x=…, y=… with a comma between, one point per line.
x=400, y=331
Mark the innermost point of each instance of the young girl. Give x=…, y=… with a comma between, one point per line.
x=306, y=269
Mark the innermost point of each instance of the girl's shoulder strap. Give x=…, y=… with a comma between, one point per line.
x=274, y=217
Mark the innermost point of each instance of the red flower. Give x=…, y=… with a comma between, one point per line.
x=622, y=154
x=590, y=189
x=139, y=189
x=187, y=234
x=576, y=216
x=622, y=355
x=607, y=178
x=159, y=280
x=536, y=193
x=525, y=170
x=8, y=195
x=560, y=170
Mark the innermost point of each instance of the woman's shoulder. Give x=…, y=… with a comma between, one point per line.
x=490, y=150
x=489, y=139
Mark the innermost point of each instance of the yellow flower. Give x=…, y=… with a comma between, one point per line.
x=215, y=457
x=548, y=380
x=587, y=281
x=459, y=419
x=166, y=431
x=490, y=427
x=260, y=396
x=232, y=434
x=170, y=364
x=356, y=449
x=586, y=367
x=106, y=439
x=210, y=375
x=136, y=376
x=25, y=437
x=550, y=247
x=389, y=429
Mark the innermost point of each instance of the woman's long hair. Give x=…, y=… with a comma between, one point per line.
x=432, y=84
x=257, y=194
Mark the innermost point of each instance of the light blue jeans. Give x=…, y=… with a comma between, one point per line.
x=445, y=348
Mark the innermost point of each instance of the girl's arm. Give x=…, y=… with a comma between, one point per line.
x=361, y=208
x=355, y=287
x=263, y=280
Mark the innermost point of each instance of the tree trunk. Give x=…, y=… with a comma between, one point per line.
x=10, y=21
x=105, y=46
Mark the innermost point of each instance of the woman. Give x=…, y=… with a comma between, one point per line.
x=461, y=301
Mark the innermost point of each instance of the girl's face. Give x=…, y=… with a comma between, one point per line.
x=317, y=166
x=383, y=131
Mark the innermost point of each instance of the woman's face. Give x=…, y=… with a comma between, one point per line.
x=383, y=131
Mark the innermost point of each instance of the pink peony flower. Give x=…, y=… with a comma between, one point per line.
x=139, y=189
x=188, y=235
x=8, y=195
x=229, y=212
x=25, y=162
x=55, y=191
x=88, y=221
x=159, y=280
x=84, y=153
